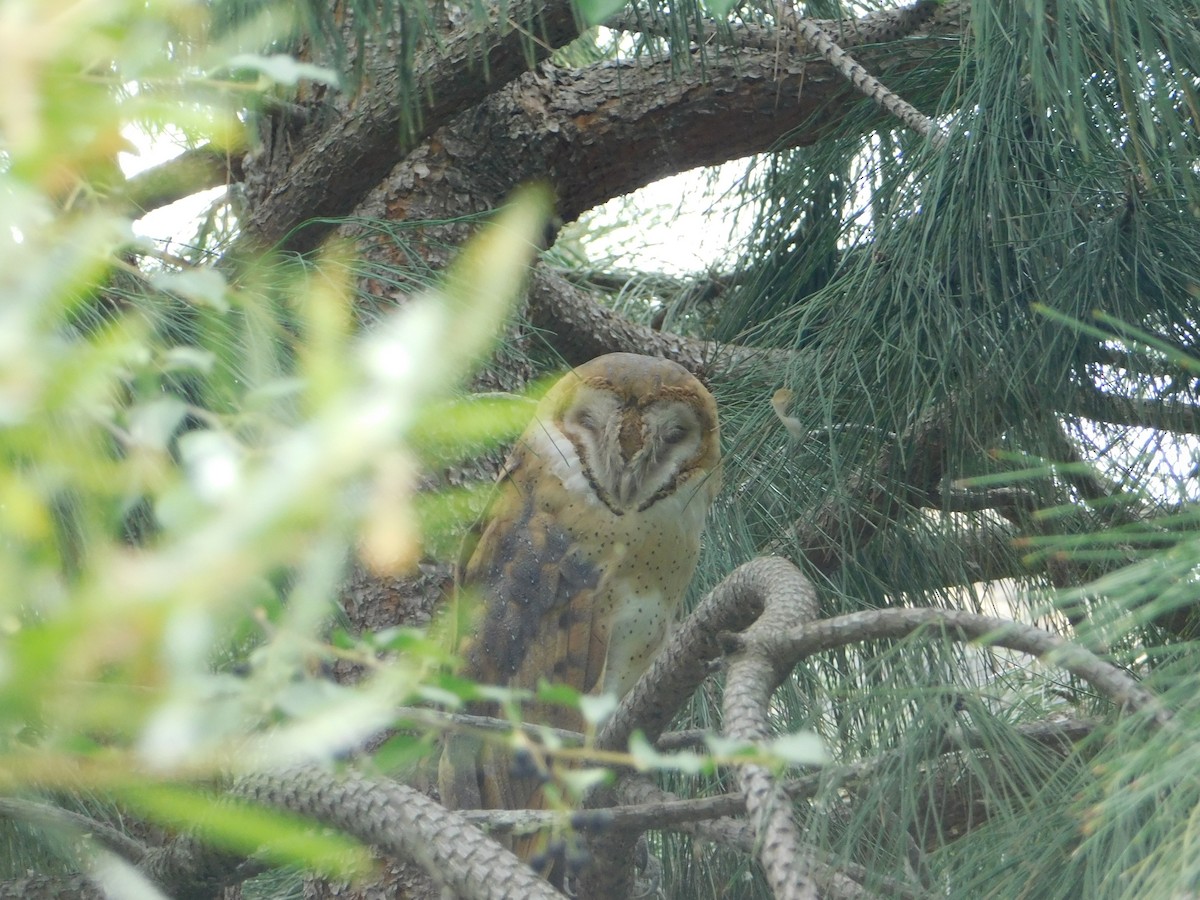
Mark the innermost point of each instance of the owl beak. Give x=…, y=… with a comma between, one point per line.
x=630, y=437
x=627, y=486
x=631, y=440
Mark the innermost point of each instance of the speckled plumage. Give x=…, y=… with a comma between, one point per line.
x=590, y=543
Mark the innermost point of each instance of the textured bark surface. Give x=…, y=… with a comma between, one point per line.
x=348, y=144
x=404, y=824
x=595, y=133
x=755, y=671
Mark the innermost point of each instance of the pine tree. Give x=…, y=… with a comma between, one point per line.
x=942, y=637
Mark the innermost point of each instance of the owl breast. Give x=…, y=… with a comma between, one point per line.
x=644, y=560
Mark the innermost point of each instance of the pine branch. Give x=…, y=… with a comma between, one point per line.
x=754, y=672
x=1163, y=415
x=686, y=659
x=583, y=330
x=885, y=98
x=49, y=816
x=405, y=824
x=910, y=467
x=1114, y=505
x=835, y=878
x=188, y=173
x=793, y=645
x=678, y=670
x=873, y=28
x=643, y=806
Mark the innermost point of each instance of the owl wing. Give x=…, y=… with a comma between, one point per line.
x=539, y=619
x=538, y=587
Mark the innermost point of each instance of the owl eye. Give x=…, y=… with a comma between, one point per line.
x=585, y=420
x=675, y=435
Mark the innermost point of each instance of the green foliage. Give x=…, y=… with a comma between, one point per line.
x=1031, y=290
x=190, y=457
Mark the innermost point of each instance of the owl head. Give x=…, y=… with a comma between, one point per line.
x=643, y=429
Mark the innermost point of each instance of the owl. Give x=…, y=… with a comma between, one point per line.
x=588, y=548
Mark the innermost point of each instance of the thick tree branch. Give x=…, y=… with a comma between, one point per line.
x=596, y=133
x=1164, y=415
x=606, y=130
x=754, y=673
x=379, y=126
x=192, y=171
x=405, y=824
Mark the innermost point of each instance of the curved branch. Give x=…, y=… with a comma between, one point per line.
x=680, y=667
x=406, y=824
x=188, y=173
x=755, y=670
x=50, y=816
x=792, y=645
x=1163, y=415
x=685, y=660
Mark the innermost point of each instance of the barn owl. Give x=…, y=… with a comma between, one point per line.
x=588, y=547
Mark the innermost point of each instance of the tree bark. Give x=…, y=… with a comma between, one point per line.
x=595, y=132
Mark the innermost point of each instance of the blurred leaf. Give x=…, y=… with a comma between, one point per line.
x=561, y=694
x=648, y=759
x=284, y=69
x=801, y=748
x=204, y=287
x=213, y=463
x=399, y=752
x=597, y=707
x=595, y=12
x=152, y=424
x=249, y=830
x=183, y=358
x=579, y=782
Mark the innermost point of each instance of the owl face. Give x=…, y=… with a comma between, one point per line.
x=637, y=430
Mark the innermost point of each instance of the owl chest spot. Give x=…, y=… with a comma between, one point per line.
x=648, y=568
x=637, y=626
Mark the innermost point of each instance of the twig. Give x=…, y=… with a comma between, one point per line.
x=873, y=28
x=866, y=83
